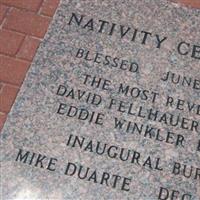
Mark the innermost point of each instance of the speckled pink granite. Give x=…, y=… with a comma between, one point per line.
x=138, y=45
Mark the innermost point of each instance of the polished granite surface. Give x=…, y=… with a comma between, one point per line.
x=110, y=108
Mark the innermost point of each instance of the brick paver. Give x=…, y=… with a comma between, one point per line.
x=3, y=10
x=7, y=97
x=48, y=7
x=10, y=42
x=13, y=70
x=28, y=48
x=23, y=24
x=32, y=5
x=27, y=22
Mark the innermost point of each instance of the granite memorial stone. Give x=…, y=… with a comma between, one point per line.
x=110, y=108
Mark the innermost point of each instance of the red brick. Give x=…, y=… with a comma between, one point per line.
x=10, y=42
x=27, y=22
x=7, y=97
x=12, y=70
x=191, y=3
x=49, y=7
x=3, y=10
x=28, y=48
x=2, y=120
x=1, y=85
x=32, y=5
